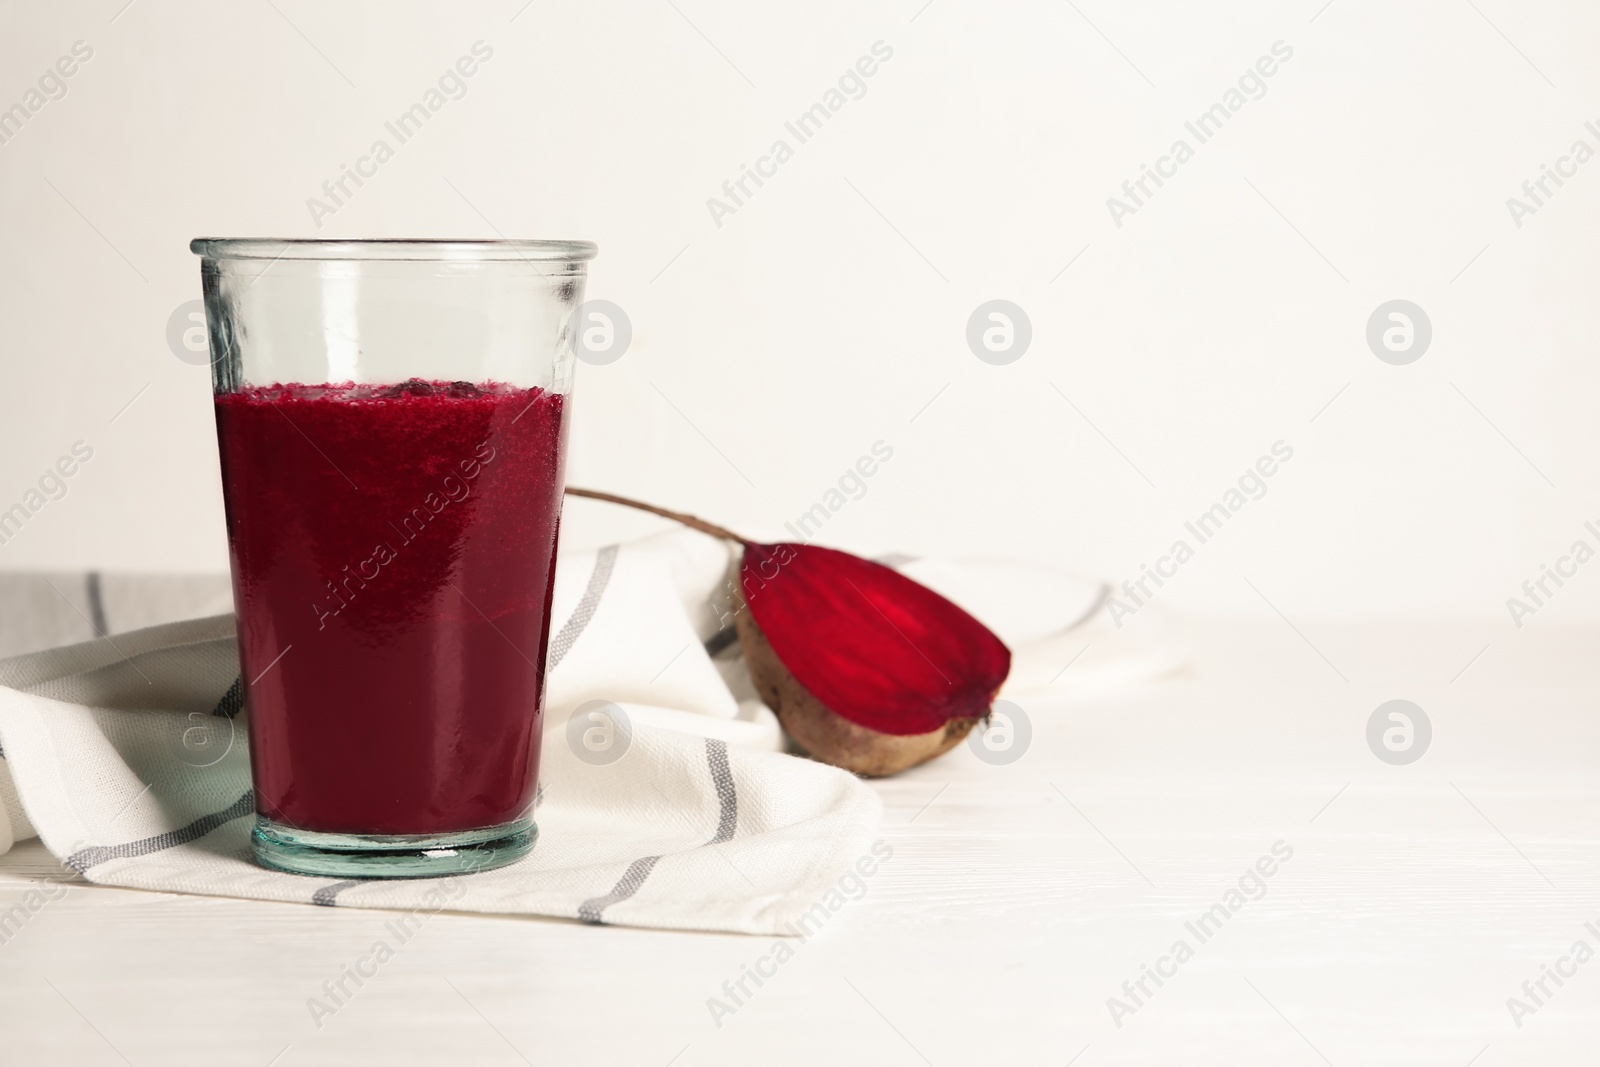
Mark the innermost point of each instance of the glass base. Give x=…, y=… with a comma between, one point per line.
x=284, y=848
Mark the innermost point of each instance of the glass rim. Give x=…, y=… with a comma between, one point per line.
x=390, y=248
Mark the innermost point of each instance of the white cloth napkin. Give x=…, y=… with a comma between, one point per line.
x=127, y=754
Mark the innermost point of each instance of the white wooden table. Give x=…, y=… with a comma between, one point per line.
x=1018, y=900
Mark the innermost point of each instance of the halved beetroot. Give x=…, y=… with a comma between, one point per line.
x=865, y=668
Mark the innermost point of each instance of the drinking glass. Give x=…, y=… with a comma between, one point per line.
x=391, y=419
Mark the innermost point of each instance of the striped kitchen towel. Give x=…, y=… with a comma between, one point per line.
x=127, y=756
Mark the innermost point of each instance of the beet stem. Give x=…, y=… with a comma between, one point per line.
x=677, y=516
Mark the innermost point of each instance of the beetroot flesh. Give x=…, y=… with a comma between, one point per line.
x=870, y=644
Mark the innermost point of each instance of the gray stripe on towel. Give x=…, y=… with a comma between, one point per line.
x=563, y=641
x=325, y=896
x=97, y=605
x=589, y=911
x=85, y=858
x=231, y=703
x=633, y=878
x=722, y=776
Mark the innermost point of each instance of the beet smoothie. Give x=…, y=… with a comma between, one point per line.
x=393, y=555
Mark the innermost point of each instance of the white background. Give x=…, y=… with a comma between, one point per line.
x=769, y=353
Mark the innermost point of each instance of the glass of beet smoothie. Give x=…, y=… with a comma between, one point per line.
x=391, y=417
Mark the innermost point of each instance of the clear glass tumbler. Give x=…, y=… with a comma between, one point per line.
x=391, y=417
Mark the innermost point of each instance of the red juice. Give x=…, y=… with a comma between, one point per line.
x=393, y=555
